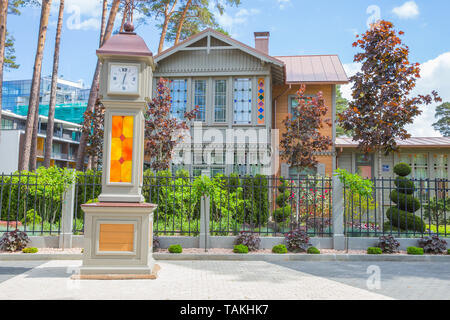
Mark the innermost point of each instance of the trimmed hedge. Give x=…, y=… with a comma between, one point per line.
x=280, y=249
x=241, y=249
x=283, y=198
x=405, y=220
x=402, y=169
x=415, y=251
x=405, y=202
x=313, y=250
x=30, y=250
x=281, y=214
x=404, y=185
x=176, y=248
x=374, y=250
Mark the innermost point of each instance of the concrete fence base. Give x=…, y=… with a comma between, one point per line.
x=357, y=243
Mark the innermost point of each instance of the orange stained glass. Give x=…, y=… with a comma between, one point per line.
x=121, y=149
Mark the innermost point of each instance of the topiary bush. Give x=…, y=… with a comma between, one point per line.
x=280, y=249
x=249, y=239
x=448, y=251
x=404, y=220
x=433, y=244
x=30, y=250
x=405, y=185
x=402, y=215
x=402, y=169
x=282, y=214
x=415, y=251
x=313, y=250
x=175, y=248
x=405, y=202
x=388, y=244
x=31, y=218
x=240, y=248
x=283, y=198
x=374, y=250
x=14, y=241
x=297, y=241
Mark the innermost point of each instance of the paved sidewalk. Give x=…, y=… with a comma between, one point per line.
x=196, y=280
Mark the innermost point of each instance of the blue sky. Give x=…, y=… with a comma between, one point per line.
x=296, y=26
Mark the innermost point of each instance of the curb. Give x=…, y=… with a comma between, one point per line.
x=249, y=257
x=301, y=257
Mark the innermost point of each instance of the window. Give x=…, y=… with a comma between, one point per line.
x=364, y=165
x=7, y=124
x=200, y=99
x=440, y=166
x=178, y=92
x=216, y=171
x=242, y=101
x=418, y=163
x=220, y=100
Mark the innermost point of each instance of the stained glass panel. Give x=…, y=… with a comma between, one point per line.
x=121, y=149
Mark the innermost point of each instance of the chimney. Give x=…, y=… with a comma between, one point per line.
x=262, y=41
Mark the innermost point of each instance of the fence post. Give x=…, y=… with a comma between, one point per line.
x=65, y=237
x=204, y=222
x=338, y=214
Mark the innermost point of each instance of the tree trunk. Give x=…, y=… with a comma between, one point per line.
x=34, y=92
x=51, y=107
x=34, y=137
x=95, y=82
x=124, y=16
x=181, y=22
x=167, y=16
x=102, y=28
x=3, y=16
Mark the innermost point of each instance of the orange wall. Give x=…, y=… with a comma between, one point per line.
x=282, y=107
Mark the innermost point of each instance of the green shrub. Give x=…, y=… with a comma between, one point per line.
x=240, y=248
x=404, y=185
x=415, y=251
x=374, y=250
x=280, y=249
x=402, y=169
x=405, y=202
x=32, y=218
x=404, y=220
x=175, y=248
x=283, y=199
x=281, y=214
x=313, y=250
x=30, y=250
x=448, y=251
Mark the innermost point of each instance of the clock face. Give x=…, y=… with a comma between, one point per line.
x=124, y=79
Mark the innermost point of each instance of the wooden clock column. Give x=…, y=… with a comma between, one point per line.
x=118, y=229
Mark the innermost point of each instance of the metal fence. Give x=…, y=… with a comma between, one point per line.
x=401, y=207
x=265, y=205
x=29, y=204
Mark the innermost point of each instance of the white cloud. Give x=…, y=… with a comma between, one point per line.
x=230, y=21
x=434, y=76
x=408, y=10
x=283, y=3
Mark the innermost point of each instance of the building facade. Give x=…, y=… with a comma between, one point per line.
x=71, y=98
x=66, y=139
x=243, y=94
x=429, y=158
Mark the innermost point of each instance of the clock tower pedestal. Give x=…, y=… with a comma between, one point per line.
x=119, y=229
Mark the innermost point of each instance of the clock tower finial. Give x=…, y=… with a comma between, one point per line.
x=128, y=10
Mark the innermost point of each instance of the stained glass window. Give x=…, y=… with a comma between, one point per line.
x=440, y=166
x=220, y=101
x=261, y=101
x=200, y=99
x=121, y=149
x=242, y=101
x=178, y=93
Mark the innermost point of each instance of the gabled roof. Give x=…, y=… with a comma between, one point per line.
x=321, y=69
x=224, y=38
x=423, y=142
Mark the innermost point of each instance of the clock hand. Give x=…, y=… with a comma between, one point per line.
x=123, y=82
